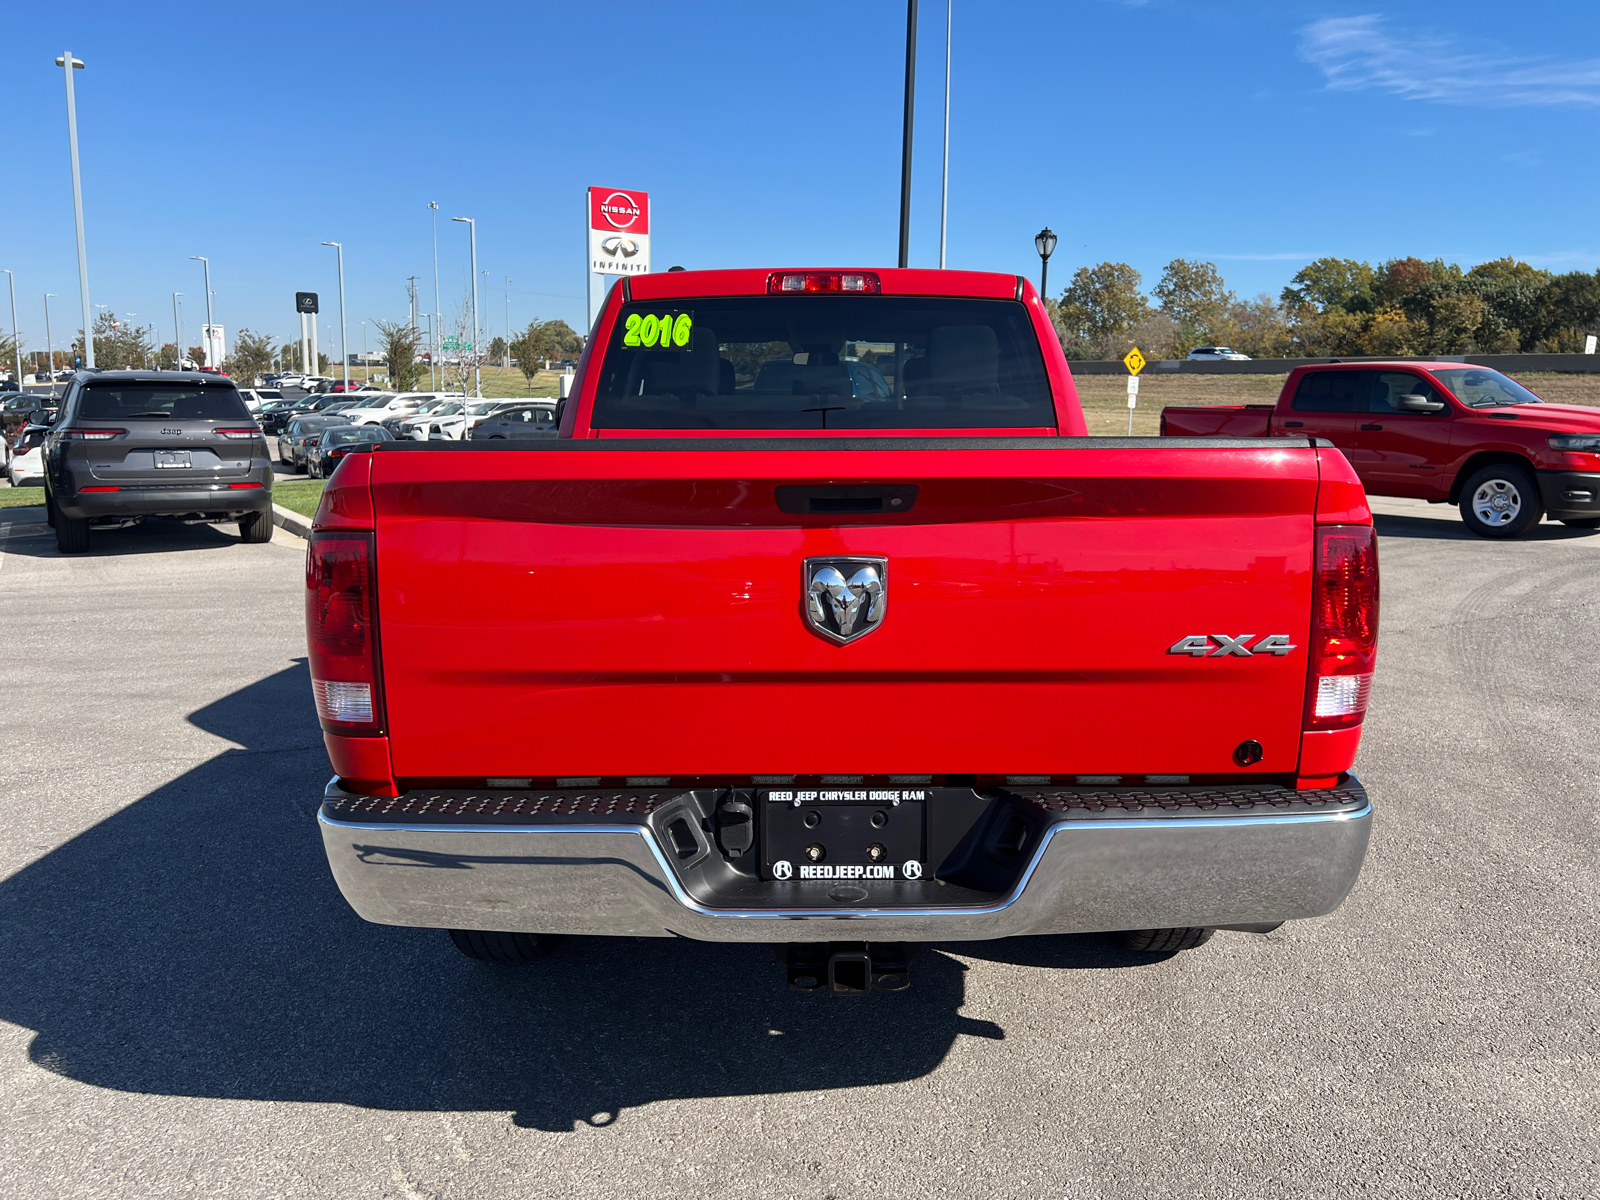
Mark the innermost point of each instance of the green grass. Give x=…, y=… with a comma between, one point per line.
x=297, y=495
x=21, y=497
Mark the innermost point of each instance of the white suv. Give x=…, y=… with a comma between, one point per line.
x=1216, y=354
x=379, y=407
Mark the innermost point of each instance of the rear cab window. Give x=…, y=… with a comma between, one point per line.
x=815, y=362
x=1329, y=392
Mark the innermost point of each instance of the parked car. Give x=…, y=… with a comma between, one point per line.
x=300, y=430
x=422, y=407
x=416, y=427
x=536, y=420
x=25, y=458
x=1443, y=432
x=275, y=415
x=212, y=371
x=454, y=428
x=373, y=407
x=1216, y=354
x=292, y=380
x=1044, y=736
x=255, y=399
x=323, y=453
x=136, y=444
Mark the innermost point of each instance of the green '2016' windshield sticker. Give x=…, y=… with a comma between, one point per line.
x=658, y=331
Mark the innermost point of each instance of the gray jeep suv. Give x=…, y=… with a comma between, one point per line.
x=134, y=444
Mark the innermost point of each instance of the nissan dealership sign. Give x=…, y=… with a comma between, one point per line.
x=619, y=232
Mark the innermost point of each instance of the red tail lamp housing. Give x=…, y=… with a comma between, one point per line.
x=1344, y=627
x=790, y=282
x=342, y=633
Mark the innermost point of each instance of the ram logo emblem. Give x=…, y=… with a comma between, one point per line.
x=845, y=598
x=1224, y=645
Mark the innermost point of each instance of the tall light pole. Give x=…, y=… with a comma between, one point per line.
x=472, y=233
x=49, y=349
x=944, y=188
x=507, y=361
x=16, y=342
x=1045, y=243
x=433, y=322
x=177, y=334
x=366, y=359
x=68, y=64
x=905, y=143
x=344, y=332
x=205, y=262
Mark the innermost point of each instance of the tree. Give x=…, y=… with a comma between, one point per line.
x=251, y=357
x=497, y=349
x=1331, y=283
x=118, y=346
x=1257, y=328
x=542, y=341
x=1100, y=306
x=399, y=342
x=1193, y=294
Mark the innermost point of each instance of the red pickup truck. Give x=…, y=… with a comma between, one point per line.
x=822, y=624
x=1438, y=431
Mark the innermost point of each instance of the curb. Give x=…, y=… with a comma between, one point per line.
x=291, y=522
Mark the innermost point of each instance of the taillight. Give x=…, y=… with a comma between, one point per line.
x=1344, y=626
x=823, y=281
x=239, y=435
x=342, y=633
x=92, y=435
x=239, y=487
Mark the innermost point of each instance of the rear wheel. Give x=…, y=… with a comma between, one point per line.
x=488, y=946
x=1164, y=941
x=1584, y=523
x=255, y=527
x=72, y=533
x=1501, y=501
x=299, y=466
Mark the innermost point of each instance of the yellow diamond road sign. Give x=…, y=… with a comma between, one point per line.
x=1134, y=361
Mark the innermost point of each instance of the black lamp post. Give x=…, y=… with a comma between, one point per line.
x=1045, y=243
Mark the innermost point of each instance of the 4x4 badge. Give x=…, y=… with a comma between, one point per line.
x=1199, y=645
x=845, y=598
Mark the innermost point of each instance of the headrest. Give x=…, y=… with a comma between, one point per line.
x=685, y=372
x=964, y=358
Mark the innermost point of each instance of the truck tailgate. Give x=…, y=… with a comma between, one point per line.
x=593, y=609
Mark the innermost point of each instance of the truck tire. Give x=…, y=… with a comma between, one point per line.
x=1164, y=941
x=487, y=946
x=1501, y=501
x=255, y=528
x=1583, y=523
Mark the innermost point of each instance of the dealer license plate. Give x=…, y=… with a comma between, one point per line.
x=848, y=833
x=172, y=458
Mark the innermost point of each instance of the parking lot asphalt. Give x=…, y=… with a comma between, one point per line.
x=188, y=1007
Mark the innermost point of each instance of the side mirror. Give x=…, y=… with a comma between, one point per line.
x=561, y=407
x=1421, y=404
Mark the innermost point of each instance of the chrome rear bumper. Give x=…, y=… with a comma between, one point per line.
x=1089, y=871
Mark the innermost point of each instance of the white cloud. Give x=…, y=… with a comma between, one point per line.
x=1361, y=53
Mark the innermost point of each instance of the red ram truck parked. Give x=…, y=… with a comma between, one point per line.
x=1442, y=432
x=823, y=624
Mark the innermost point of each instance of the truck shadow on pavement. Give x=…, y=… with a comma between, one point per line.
x=194, y=944
x=1447, y=527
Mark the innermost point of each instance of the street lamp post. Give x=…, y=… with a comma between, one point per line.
x=16, y=342
x=344, y=332
x=205, y=262
x=177, y=334
x=506, y=361
x=366, y=359
x=1045, y=243
x=68, y=64
x=437, y=316
x=49, y=348
x=472, y=233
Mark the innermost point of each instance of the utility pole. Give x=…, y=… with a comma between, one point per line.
x=210, y=328
x=944, y=188
x=68, y=64
x=905, y=145
x=472, y=232
x=16, y=341
x=411, y=291
x=177, y=333
x=344, y=331
x=49, y=349
x=433, y=324
x=506, y=361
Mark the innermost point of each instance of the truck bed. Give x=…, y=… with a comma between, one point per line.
x=1217, y=420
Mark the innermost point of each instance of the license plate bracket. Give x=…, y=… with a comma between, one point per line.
x=173, y=458
x=866, y=834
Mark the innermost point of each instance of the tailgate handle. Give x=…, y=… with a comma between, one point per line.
x=831, y=499
x=1294, y=424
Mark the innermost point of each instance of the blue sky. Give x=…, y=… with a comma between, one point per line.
x=1258, y=135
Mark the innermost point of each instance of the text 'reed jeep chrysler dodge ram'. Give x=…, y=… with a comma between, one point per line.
x=1444, y=432
x=822, y=624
